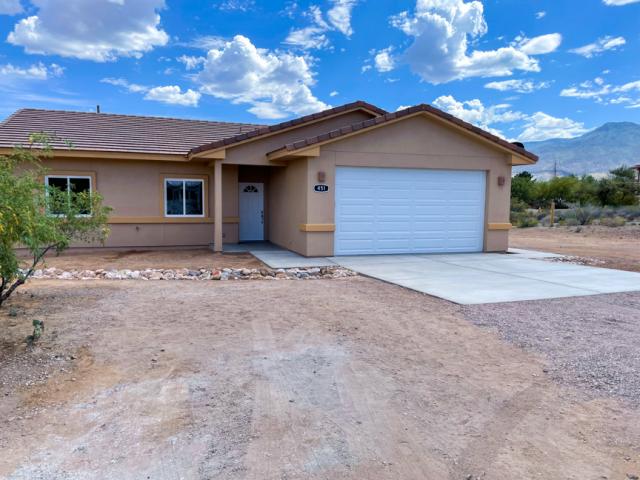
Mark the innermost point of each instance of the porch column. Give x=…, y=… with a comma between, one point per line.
x=217, y=206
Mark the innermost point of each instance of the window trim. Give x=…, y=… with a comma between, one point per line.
x=68, y=176
x=203, y=183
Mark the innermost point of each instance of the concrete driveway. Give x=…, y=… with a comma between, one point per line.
x=468, y=278
x=488, y=278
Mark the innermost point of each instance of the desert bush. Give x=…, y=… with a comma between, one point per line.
x=616, y=221
x=26, y=221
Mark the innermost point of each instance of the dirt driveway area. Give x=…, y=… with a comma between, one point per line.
x=591, y=245
x=327, y=379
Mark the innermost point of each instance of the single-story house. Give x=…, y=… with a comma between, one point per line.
x=351, y=180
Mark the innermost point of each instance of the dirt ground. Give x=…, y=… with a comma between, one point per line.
x=141, y=259
x=344, y=379
x=596, y=245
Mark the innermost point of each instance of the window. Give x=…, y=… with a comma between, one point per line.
x=68, y=184
x=183, y=197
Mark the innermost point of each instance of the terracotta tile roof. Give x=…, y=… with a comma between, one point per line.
x=308, y=142
x=116, y=133
x=290, y=123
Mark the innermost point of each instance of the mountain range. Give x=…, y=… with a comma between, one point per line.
x=596, y=152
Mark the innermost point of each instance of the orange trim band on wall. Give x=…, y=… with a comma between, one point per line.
x=151, y=220
x=317, y=227
x=499, y=226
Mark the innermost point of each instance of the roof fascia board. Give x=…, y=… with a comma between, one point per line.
x=100, y=154
x=206, y=153
x=283, y=153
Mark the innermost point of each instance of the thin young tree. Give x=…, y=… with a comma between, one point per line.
x=37, y=219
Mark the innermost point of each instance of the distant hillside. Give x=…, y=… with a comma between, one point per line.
x=595, y=152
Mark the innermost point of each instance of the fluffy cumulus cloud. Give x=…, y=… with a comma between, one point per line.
x=315, y=35
x=601, y=45
x=37, y=71
x=474, y=112
x=100, y=30
x=535, y=127
x=191, y=62
x=442, y=31
x=276, y=84
x=541, y=126
x=384, y=60
x=520, y=86
x=10, y=7
x=619, y=3
x=169, y=94
x=627, y=94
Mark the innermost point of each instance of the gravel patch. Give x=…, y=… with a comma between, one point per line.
x=590, y=342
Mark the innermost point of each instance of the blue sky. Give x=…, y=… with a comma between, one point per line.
x=526, y=70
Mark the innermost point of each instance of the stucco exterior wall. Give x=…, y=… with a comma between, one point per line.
x=414, y=143
x=134, y=190
x=287, y=200
x=254, y=153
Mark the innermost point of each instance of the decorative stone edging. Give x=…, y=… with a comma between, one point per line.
x=196, y=274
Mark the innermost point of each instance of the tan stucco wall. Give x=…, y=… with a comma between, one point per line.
x=254, y=153
x=288, y=205
x=413, y=143
x=134, y=189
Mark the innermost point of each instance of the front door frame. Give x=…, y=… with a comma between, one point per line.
x=251, y=226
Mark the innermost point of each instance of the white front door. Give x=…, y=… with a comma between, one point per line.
x=251, y=211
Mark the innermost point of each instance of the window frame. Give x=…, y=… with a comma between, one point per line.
x=184, y=197
x=69, y=176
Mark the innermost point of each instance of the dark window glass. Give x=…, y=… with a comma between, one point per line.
x=174, y=193
x=59, y=183
x=193, y=198
x=68, y=185
x=79, y=185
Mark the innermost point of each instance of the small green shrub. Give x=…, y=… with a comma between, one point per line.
x=616, y=221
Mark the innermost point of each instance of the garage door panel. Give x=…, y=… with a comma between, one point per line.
x=388, y=210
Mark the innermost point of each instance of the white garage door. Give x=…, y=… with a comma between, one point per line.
x=394, y=210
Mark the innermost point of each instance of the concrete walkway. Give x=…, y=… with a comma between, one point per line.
x=467, y=278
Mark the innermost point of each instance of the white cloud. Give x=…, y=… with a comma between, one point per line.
x=520, y=86
x=541, y=126
x=10, y=7
x=191, y=62
x=538, y=126
x=169, y=94
x=474, y=112
x=334, y=94
x=619, y=3
x=37, y=71
x=599, y=46
x=384, y=61
x=540, y=45
x=598, y=90
x=402, y=107
x=173, y=95
x=236, y=5
x=276, y=84
x=314, y=36
x=441, y=32
x=541, y=14
x=340, y=15
x=99, y=31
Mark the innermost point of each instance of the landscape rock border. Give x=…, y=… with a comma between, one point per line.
x=312, y=273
